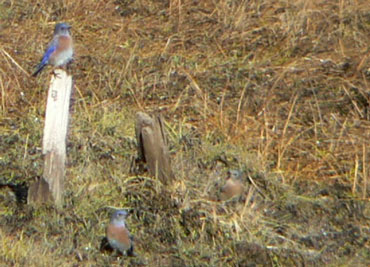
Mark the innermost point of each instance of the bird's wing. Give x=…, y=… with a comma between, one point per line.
x=53, y=46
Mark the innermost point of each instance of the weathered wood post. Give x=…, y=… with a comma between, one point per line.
x=50, y=186
x=152, y=146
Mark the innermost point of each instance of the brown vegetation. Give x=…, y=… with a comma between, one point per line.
x=277, y=89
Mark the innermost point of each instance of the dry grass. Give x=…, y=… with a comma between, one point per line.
x=279, y=89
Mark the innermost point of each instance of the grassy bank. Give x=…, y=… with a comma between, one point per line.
x=276, y=89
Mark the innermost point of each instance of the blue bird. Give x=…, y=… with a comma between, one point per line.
x=60, y=49
x=118, y=235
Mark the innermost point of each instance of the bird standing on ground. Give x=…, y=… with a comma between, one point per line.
x=118, y=236
x=60, y=49
x=233, y=186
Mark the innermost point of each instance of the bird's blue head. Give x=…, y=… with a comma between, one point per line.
x=119, y=215
x=62, y=29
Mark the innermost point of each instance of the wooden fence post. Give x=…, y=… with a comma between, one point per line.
x=50, y=186
x=152, y=146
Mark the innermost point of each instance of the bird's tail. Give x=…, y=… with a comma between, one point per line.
x=39, y=69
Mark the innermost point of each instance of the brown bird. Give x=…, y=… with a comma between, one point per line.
x=233, y=186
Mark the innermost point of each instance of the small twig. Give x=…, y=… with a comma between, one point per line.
x=15, y=62
x=255, y=185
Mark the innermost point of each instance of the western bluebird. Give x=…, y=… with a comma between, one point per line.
x=60, y=49
x=118, y=236
x=233, y=186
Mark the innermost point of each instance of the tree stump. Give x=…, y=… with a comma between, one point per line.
x=152, y=146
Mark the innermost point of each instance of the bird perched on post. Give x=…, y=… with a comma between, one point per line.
x=118, y=236
x=60, y=49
